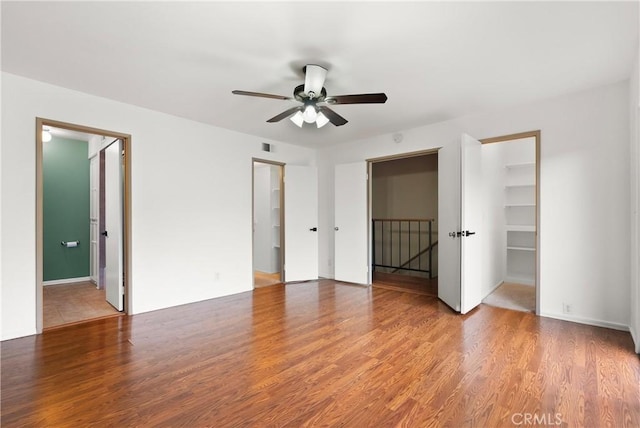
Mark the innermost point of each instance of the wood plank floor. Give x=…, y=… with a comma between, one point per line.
x=407, y=283
x=322, y=353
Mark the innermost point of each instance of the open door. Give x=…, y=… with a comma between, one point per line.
x=350, y=248
x=301, y=223
x=113, y=231
x=449, y=226
x=470, y=223
x=460, y=218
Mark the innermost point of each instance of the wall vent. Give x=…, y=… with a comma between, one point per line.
x=266, y=147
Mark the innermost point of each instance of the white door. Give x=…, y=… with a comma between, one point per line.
x=300, y=223
x=449, y=225
x=459, y=213
x=470, y=223
x=350, y=245
x=114, y=286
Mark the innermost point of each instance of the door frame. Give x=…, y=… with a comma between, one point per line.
x=536, y=136
x=370, y=162
x=280, y=166
x=126, y=146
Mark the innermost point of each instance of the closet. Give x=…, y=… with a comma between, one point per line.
x=520, y=213
x=509, y=221
x=267, y=202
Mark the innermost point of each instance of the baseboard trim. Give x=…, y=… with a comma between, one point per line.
x=492, y=289
x=636, y=338
x=523, y=281
x=587, y=321
x=66, y=281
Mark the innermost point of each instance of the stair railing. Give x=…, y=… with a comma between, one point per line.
x=401, y=244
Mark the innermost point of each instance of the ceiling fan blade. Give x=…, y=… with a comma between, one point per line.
x=284, y=114
x=333, y=117
x=314, y=76
x=378, y=98
x=260, y=94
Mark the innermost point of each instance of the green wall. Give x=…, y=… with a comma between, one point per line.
x=66, y=208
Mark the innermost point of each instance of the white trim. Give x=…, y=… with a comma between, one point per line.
x=635, y=337
x=520, y=280
x=67, y=281
x=494, y=288
x=587, y=321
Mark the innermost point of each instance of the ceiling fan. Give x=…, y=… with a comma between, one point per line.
x=313, y=97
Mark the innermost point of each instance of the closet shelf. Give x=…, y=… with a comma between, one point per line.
x=520, y=165
x=521, y=248
x=515, y=186
x=519, y=205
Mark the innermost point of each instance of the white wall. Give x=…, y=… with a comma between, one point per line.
x=584, y=187
x=406, y=188
x=190, y=192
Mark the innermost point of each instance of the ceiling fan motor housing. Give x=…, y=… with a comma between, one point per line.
x=300, y=95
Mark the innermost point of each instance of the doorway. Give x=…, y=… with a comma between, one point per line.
x=510, y=179
x=69, y=288
x=268, y=222
x=404, y=219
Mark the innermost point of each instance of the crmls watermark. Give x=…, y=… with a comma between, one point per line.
x=536, y=419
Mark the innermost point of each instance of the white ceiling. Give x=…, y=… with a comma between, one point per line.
x=434, y=60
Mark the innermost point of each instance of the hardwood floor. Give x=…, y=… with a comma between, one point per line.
x=322, y=353
x=72, y=303
x=407, y=283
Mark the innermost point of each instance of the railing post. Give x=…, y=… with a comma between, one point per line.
x=419, y=244
x=373, y=238
x=430, y=250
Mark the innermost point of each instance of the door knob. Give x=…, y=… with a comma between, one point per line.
x=467, y=233
x=336, y=228
x=314, y=229
x=105, y=234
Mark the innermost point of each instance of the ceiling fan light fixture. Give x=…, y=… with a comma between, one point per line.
x=310, y=114
x=298, y=119
x=321, y=120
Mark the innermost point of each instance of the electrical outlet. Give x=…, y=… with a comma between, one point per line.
x=566, y=308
